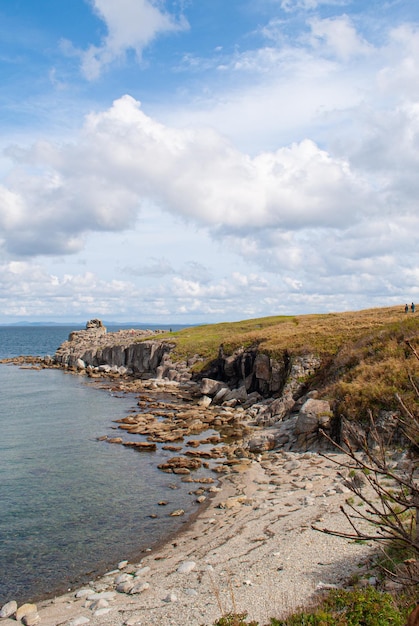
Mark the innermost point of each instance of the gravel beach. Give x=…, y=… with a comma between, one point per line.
x=251, y=549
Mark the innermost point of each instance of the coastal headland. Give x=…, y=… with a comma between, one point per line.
x=255, y=421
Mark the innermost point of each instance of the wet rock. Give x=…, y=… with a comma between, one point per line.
x=180, y=463
x=141, y=445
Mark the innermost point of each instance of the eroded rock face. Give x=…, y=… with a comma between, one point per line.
x=257, y=372
x=95, y=348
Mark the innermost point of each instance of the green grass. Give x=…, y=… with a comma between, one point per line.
x=323, y=334
x=365, y=360
x=360, y=607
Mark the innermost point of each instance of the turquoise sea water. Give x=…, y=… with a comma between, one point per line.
x=71, y=506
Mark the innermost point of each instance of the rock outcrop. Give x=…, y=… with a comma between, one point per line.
x=126, y=351
x=259, y=373
x=270, y=393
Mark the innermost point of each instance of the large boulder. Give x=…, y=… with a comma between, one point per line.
x=210, y=387
x=314, y=416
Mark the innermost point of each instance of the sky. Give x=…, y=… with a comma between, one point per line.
x=199, y=161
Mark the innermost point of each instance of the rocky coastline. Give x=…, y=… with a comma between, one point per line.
x=252, y=424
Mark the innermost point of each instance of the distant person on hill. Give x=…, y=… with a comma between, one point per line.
x=412, y=307
x=406, y=308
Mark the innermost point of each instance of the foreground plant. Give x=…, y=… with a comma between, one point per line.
x=359, y=607
x=392, y=511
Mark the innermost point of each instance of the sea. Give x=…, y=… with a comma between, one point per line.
x=71, y=506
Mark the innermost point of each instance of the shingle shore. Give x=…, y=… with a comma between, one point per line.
x=251, y=550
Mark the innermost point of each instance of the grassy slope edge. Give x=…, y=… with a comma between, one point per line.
x=365, y=359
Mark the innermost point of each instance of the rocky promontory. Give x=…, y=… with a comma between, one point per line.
x=269, y=393
x=273, y=401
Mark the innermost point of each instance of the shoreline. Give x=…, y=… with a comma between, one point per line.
x=252, y=549
x=248, y=548
x=52, y=583
x=108, y=385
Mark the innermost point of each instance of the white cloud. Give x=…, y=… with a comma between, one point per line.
x=131, y=25
x=332, y=211
x=339, y=37
x=309, y=5
x=124, y=158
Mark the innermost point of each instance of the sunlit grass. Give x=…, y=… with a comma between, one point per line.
x=365, y=360
x=321, y=334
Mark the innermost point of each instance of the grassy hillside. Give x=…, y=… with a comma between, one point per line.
x=364, y=354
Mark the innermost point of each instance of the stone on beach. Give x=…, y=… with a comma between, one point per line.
x=186, y=567
x=140, y=588
x=25, y=609
x=171, y=597
x=82, y=593
x=78, y=621
x=31, y=619
x=107, y=595
x=99, y=604
x=8, y=609
x=125, y=586
x=142, y=571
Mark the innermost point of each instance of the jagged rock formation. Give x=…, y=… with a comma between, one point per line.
x=120, y=353
x=274, y=393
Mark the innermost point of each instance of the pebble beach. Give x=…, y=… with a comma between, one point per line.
x=251, y=549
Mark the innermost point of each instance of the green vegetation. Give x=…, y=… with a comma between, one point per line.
x=324, y=334
x=370, y=360
x=360, y=607
x=364, y=355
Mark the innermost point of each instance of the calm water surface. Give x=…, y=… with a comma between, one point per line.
x=71, y=506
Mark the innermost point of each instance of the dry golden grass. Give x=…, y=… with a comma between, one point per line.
x=364, y=354
x=323, y=334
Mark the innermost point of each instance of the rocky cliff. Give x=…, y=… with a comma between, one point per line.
x=267, y=389
x=136, y=352
x=275, y=394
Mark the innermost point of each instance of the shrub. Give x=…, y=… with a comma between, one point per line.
x=361, y=607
